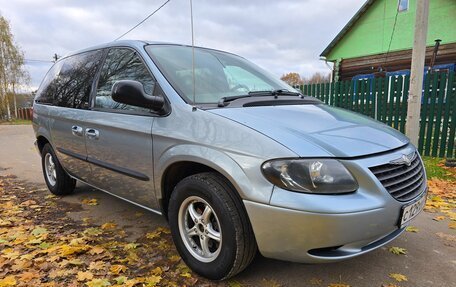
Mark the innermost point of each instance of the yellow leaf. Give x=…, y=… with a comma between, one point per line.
x=8, y=281
x=152, y=280
x=83, y=276
x=338, y=285
x=131, y=246
x=93, y=231
x=398, y=277
x=28, y=276
x=411, y=229
x=156, y=271
x=90, y=201
x=38, y=231
x=98, y=283
x=439, y=218
x=186, y=275
x=66, y=250
x=97, y=265
x=452, y=225
x=108, y=225
x=398, y=250
x=174, y=258
x=117, y=269
x=120, y=280
x=96, y=250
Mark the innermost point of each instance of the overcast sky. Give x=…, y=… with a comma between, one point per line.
x=281, y=36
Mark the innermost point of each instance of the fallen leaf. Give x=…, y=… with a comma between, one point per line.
x=96, y=250
x=439, y=218
x=97, y=265
x=452, y=225
x=398, y=250
x=98, y=283
x=338, y=285
x=412, y=229
x=108, y=225
x=120, y=280
x=90, y=201
x=398, y=277
x=84, y=276
x=117, y=269
x=8, y=281
x=152, y=280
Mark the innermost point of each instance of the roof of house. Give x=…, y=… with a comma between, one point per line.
x=347, y=27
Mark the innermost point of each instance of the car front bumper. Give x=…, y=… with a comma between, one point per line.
x=306, y=237
x=313, y=228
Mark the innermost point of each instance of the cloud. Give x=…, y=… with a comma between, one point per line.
x=281, y=36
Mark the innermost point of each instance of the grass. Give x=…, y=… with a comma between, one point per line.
x=16, y=122
x=435, y=168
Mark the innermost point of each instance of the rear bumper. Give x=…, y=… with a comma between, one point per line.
x=306, y=237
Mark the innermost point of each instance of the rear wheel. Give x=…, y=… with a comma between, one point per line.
x=210, y=227
x=56, y=178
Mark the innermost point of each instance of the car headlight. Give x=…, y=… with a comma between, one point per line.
x=324, y=176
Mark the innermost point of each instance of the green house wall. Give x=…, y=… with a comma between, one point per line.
x=371, y=34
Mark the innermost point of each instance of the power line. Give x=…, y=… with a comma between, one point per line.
x=392, y=34
x=144, y=20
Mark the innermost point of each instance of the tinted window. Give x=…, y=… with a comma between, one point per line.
x=44, y=94
x=69, y=82
x=122, y=64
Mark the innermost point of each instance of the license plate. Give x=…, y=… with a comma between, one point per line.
x=411, y=210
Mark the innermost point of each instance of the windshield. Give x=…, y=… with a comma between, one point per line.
x=217, y=74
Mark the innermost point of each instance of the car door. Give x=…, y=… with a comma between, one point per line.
x=71, y=87
x=118, y=136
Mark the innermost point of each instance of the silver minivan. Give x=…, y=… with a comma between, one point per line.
x=235, y=159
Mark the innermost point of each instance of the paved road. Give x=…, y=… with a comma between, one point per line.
x=431, y=261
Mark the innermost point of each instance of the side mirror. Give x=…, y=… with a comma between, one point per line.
x=132, y=93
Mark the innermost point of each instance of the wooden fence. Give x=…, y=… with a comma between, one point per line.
x=385, y=99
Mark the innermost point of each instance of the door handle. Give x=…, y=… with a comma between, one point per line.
x=92, y=134
x=76, y=130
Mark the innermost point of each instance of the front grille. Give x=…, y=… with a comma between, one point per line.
x=401, y=181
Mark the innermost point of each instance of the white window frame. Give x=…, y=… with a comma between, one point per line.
x=399, y=6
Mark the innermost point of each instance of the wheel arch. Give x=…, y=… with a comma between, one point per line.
x=176, y=167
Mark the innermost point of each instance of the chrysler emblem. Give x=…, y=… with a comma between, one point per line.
x=404, y=159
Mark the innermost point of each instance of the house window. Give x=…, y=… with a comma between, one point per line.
x=403, y=5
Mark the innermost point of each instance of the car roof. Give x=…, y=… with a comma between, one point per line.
x=138, y=44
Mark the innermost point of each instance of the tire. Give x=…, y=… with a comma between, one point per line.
x=57, y=180
x=236, y=247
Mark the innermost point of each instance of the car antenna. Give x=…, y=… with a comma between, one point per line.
x=193, y=57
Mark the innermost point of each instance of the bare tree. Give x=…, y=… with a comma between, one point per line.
x=12, y=72
x=318, y=78
x=293, y=79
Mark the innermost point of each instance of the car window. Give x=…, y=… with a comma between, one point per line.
x=69, y=82
x=45, y=93
x=122, y=64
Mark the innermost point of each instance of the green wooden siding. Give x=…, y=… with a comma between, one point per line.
x=385, y=99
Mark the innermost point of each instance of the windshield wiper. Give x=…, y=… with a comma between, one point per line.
x=282, y=92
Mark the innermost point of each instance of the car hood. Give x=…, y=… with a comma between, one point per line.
x=318, y=130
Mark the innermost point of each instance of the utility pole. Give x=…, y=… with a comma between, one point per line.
x=412, y=127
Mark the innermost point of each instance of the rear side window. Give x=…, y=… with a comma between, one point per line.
x=44, y=94
x=122, y=64
x=69, y=82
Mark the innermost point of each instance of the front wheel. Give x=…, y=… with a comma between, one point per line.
x=210, y=227
x=57, y=180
